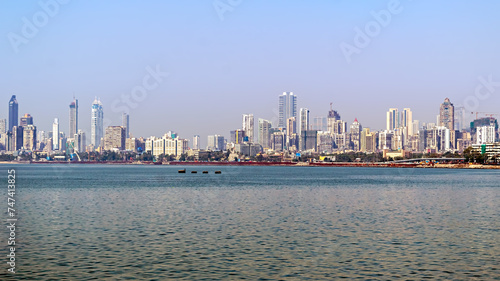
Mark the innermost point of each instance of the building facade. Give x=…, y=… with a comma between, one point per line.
x=73, y=117
x=96, y=123
x=114, y=139
x=248, y=126
x=13, y=112
x=287, y=107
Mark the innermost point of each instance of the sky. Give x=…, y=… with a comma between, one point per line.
x=194, y=67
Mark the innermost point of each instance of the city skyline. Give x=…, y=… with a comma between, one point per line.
x=202, y=69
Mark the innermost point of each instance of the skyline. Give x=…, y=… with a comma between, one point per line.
x=218, y=69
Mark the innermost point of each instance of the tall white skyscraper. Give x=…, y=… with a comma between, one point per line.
x=248, y=126
x=303, y=120
x=196, y=142
x=126, y=124
x=73, y=117
x=96, y=123
x=55, y=134
x=392, y=119
x=407, y=121
x=287, y=108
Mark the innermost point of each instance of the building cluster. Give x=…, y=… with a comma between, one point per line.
x=292, y=134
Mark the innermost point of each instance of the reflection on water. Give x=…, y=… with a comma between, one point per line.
x=267, y=223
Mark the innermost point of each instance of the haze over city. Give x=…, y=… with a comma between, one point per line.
x=223, y=61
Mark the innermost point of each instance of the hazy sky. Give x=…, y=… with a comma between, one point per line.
x=229, y=57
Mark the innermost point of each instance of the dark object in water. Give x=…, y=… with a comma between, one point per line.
x=218, y=172
x=194, y=172
x=182, y=171
x=205, y=172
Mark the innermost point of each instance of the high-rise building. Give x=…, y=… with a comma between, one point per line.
x=291, y=126
x=368, y=141
x=319, y=124
x=248, y=126
x=287, y=108
x=114, y=138
x=485, y=134
x=13, y=112
x=237, y=136
x=309, y=140
x=73, y=118
x=460, y=123
x=355, y=131
x=126, y=124
x=29, y=137
x=26, y=120
x=215, y=143
x=332, y=119
x=277, y=140
x=196, y=142
x=3, y=126
x=55, y=134
x=304, y=120
x=80, y=141
x=407, y=122
x=447, y=115
x=416, y=127
x=392, y=119
x=264, y=133
x=96, y=123
x=17, y=138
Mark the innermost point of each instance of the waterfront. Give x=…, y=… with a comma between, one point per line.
x=79, y=222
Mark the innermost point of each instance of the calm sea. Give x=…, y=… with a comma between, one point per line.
x=116, y=222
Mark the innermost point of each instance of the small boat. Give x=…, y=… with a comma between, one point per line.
x=182, y=171
x=218, y=172
x=194, y=172
x=205, y=172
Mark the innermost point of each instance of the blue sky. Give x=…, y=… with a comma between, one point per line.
x=221, y=67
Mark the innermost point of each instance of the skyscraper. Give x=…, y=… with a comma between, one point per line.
x=73, y=118
x=407, y=121
x=196, y=142
x=264, y=133
x=460, y=118
x=332, y=120
x=26, y=120
x=287, y=108
x=447, y=115
x=55, y=134
x=96, y=123
x=126, y=124
x=29, y=137
x=248, y=126
x=13, y=112
x=304, y=120
x=392, y=119
x=356, y=129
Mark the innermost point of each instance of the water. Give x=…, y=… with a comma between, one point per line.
x=114, y=222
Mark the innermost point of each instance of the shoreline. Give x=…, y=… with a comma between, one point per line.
x=286, y=164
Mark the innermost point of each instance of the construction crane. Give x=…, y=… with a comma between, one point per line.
x=489, y=114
